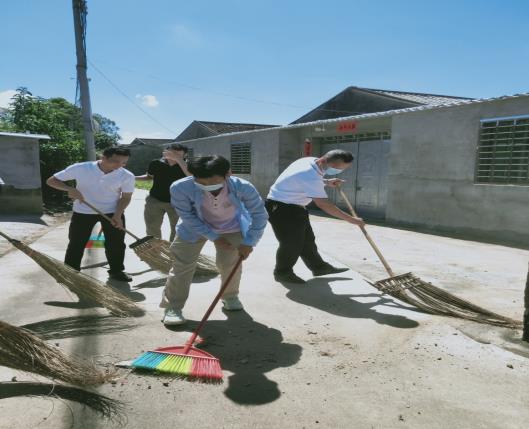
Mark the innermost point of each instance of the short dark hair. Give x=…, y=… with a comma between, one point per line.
x=116, y=150
x=339, y=155
x=177, y=146
x=209, y=166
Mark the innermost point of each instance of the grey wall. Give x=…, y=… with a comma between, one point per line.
x=141, y=156
x=265, y=154
x=20, y=170
x=431, y=174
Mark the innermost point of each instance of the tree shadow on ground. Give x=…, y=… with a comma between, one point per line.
x=106, y=407
x=17, y=218
x=78, y=326
x=317, y=293
x=249, y=350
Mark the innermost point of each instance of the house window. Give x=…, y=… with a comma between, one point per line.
x=241, y=158
x=503, y=151
x=190, y=154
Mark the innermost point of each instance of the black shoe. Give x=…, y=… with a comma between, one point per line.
x=120, y=275
x=288, y=278
x=328, y=269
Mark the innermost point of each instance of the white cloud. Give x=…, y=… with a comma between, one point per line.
x=185, y=37
x=5, y=97
x=148, y=100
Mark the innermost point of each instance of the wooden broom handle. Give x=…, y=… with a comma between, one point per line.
x=368, y=237
x=7, y=237
x=224, y=286
x=104, y=216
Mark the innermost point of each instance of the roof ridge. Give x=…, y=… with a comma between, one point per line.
x=413, y=93
x=232, y=123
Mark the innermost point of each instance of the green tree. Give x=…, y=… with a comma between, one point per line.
x=106, y=132
x=62, y=121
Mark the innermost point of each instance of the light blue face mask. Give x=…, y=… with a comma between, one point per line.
x=210, y=188
x=329, y=171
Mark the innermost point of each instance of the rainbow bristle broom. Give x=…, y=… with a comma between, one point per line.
x=96, y=241
x=186, y=360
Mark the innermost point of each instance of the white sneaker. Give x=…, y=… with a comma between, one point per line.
x=173, y=317
x=232, y=304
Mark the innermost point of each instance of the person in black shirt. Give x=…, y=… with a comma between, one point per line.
x=163, y=172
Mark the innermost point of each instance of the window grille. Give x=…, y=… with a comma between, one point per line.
x=364, y=137
x=503, y=151
x=241, y=158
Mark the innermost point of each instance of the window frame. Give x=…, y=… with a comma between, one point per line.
x=512, y=176
x=242, y=146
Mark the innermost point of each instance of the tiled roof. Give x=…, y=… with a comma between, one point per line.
x=150, y=142
x=233, y=127
x=417, y=97
x=453, y=103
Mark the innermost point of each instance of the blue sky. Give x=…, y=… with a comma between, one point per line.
x=260, y=61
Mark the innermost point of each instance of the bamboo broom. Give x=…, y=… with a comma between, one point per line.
x=80, y=283
x=24, y=351
x=156, y=252
x=421, y=294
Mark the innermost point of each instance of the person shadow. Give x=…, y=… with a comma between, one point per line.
x=249, y=350
x=125, y=289
x=161, y=281
x=317, y=293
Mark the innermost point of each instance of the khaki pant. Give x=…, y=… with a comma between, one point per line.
x=153, y=215
x=186, y=255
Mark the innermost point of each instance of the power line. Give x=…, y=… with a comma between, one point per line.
x=130, y=99
x=238, y=97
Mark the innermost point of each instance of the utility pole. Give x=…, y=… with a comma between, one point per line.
x=79, y=20
x=525, y=335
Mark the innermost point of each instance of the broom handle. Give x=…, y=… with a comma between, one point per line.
x=366, y=234
x=7, y=237
x=104, y=216
x=224, y=286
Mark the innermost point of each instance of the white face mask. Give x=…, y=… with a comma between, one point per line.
x=210, y=188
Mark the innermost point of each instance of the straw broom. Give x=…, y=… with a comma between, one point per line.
x=156, y=252
x=24, y=351
x=79, y=283
x=411, y=289
x=108, y=408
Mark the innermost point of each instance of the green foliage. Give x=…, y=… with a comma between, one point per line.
x=106, y=132
x=144, y=184
x=62, y=121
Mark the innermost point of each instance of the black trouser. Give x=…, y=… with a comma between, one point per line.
x=81, y=227
x=292, y=229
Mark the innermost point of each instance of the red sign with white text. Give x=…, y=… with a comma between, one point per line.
x=344, y=127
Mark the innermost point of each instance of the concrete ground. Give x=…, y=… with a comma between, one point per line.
x=330, y=354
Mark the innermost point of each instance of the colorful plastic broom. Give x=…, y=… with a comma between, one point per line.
x=186, y=360
x=96, y=241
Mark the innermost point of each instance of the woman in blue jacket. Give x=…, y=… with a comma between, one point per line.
x=215, y=206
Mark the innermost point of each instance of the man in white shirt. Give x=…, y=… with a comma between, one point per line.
x=301, y=183
x=106, y=185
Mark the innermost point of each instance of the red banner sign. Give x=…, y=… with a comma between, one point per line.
x=344, y=127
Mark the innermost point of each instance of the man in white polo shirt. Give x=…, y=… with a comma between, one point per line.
x=301, y=183
x=106, y=185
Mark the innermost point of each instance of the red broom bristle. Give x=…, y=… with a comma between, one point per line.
x=206, y=368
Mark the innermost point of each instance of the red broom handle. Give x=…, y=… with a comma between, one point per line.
x=224, y=286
